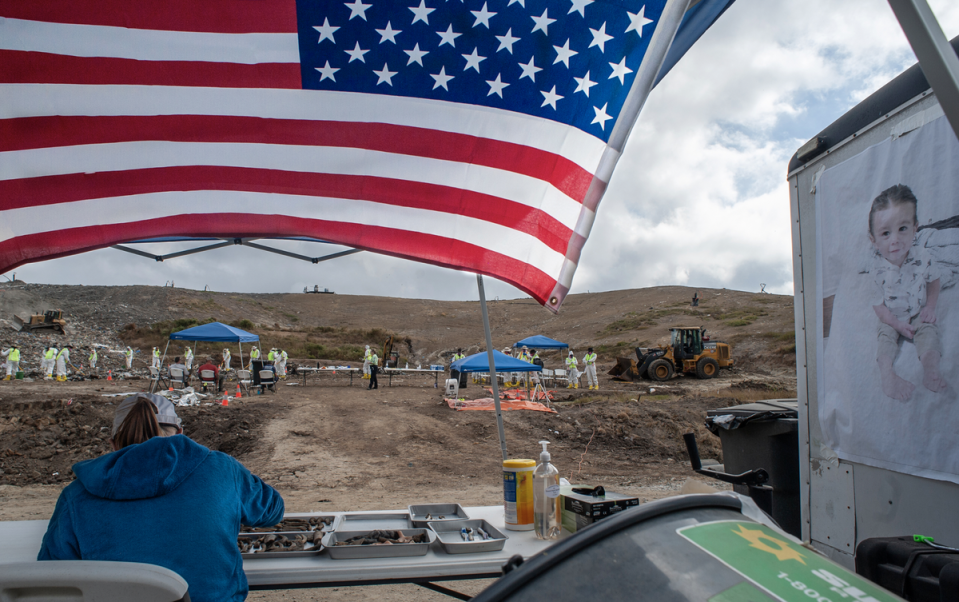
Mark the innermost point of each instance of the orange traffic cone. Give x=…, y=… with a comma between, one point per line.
x=239, y=394
x=226, y=400
x=109, y=374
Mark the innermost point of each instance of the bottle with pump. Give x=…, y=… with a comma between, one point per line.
x=546, y=500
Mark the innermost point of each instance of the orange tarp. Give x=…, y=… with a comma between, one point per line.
x=506, y=405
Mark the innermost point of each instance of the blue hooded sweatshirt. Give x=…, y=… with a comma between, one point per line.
x=168, y=501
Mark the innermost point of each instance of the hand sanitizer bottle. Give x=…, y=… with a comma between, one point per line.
x=546, y=510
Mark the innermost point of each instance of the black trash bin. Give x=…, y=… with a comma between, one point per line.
x=764, y=435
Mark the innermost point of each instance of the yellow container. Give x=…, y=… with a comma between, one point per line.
x=518, y=494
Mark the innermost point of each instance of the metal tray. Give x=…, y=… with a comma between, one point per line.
x=290, y=554
x=448, y=534
x=449, y=511
x=283, y=527
x=360, y=551
x=369, y=522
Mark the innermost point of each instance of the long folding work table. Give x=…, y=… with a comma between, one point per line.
x=331, y=371
x=20, y=542
x=414, y=371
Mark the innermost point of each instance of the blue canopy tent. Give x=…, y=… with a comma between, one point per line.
x=480, y=362
x=538, y=341
x=214, y=332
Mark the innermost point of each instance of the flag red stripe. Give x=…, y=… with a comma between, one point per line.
x=78, y=187
x=17, y=67
x=426, y=248
x=219, y=16
x=44, y=132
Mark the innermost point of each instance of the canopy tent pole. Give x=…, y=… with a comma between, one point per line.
x=240, y=343
x=492, y=366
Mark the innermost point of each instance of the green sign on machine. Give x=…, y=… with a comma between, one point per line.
x=781, y=568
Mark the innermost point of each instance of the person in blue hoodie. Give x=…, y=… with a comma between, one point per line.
x=163, y=499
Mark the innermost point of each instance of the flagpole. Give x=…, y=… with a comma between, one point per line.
x=492, y=366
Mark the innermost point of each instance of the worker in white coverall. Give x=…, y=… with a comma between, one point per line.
x=367, y=355
x=254, y=355
x=589, y=361
x=572, y=371
x=93, y=359
x=49, y=362
x=226, y=360
x=128, y=355
x=188, y=359
x=13, y=361
x=63, y=358
x=156, y=358
x=281, y=363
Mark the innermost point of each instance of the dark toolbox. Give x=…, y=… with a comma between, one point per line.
x=915, y=570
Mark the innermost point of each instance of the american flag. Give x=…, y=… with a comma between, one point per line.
x=470, y=134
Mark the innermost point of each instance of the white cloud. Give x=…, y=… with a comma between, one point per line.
x=699, y=197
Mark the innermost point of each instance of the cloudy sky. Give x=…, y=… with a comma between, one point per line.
x=699, y=197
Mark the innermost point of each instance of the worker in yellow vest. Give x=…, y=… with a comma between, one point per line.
x=374, y=368
x=589, y=360
x=92, y=358
x=63, y=358
x=13, y=360
x=367, y=356
x=572, y=371
x=254, y=355
x=156, y=358
x=49, y=362
x=188, y=359
x=226, y=360
x=128, y=355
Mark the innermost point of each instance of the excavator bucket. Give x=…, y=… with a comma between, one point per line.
x=625, y=370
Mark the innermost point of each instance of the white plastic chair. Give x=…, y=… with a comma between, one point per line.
x=208, y=377
x=155, y=377
x=268, y=380
x=177, y=378
x=559, y=376
x=90, y=580
x=246, y=379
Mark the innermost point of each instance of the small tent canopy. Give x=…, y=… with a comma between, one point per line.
x=504, y=363
x=215, y=332
x=539, y=342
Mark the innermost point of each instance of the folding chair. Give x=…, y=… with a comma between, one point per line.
x=546, y=377
x=245, y=379
x=208, y=377
x=71, y=580
x=559, y=376
x=177, y=378
x=268, y=380
x=157, y=379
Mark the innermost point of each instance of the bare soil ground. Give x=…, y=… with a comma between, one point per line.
x=328, y=446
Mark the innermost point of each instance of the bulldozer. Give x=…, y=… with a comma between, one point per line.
x=689, y=351
x=52, y=319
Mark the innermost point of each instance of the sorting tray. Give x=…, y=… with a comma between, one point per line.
x=390, y=521
x=294, y=524
x=375, y=551
x=281, y=554
x=448, y=511
x=448, y=534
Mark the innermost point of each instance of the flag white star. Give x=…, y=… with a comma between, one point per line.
x=529, y=69
x=579, y=6
x=601, y=117
x=473, y=60
x=385, y=75
x=542, y=22
x=449, y=36
x=520, y=2
x=416, y=55
x=441, y=79
x=550, y=98
x=482, y=16
x=584, y=84
x=327, y=72
x=638, y=21
x=358, y=9
x=326, y=31
x=388, y=34
x=600, y=38
x=507, y=41
x=620, y=70
x=356, y=54
x=496, y=86
x=421, y=13
x=563, y=54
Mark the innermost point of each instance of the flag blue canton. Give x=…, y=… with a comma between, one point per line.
x=568, y=61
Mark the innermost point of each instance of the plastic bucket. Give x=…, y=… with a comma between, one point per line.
x=20, y=375
x=518, y=494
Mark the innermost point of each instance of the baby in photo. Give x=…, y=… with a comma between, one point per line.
x=906, y=291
